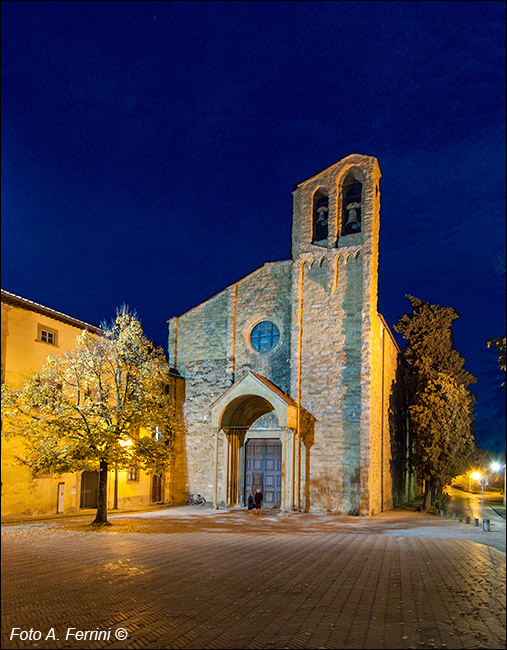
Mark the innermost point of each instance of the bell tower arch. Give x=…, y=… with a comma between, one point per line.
x=320, y=213
x=350, y=204
x=338, y=207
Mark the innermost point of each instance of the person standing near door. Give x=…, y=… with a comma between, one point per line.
x=258, y=501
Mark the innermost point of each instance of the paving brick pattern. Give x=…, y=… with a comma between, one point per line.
x=211, y=586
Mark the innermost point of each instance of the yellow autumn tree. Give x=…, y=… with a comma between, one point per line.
x=78, y=412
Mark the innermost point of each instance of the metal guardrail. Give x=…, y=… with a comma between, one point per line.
x=465, y=489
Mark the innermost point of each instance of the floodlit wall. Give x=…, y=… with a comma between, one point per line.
x=24, y=352
x=336, y=357
x=210, y=347
x=334, y=306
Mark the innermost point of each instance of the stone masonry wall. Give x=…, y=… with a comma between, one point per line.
x=332, y=359
x=377, y=446
x=391, y=437
x=210, y=348
x=385, y=438
x=331, y=377
x=201, y=358
x=265, y=295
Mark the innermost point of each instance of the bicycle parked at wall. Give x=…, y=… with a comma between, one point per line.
x=196, y=500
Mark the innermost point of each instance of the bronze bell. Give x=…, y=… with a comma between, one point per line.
x=322, y=219
x=353, y=217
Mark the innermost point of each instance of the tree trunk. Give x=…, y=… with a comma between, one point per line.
x=101, y=516
x=427, y=496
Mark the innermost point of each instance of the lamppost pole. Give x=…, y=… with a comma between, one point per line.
x=483, y=524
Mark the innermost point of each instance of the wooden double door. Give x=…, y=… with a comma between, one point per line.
x=263, y=470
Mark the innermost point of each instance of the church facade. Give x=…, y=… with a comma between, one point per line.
x=293, y=380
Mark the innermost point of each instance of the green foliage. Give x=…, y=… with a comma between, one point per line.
x=500, y=343
x=443, y=503
x=442, y=416
x=154, y=456
x=440, y=404
x=446, y=500
x=79, y=409
x=430, y=347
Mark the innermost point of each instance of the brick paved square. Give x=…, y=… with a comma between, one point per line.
x=229, y=581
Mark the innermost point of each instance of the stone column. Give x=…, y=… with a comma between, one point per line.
x=217, y=442
x=227, y=461
x=284, y=470
x=290, y=457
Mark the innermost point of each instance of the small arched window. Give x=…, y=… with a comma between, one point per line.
x=320, y=213
x=352, y=193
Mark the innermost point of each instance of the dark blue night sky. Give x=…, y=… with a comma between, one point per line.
x=150, y=150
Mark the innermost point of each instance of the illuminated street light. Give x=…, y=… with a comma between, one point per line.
x=475, y=476
x=497, y=467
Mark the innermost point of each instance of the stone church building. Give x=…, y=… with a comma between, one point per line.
x=292, y=377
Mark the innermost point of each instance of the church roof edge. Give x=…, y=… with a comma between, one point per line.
x=389, y=331
x=342, y=160
x=289, y=261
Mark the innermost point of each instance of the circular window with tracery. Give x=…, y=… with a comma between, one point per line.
x=264, y=336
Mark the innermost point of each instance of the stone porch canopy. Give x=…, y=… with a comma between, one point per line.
x=249, y=398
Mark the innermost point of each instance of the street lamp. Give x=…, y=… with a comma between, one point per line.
x=475, y=476
x=497, y=467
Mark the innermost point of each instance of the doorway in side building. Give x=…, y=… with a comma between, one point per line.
x=89, y=489
x=156, y=488
x=263, y=470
